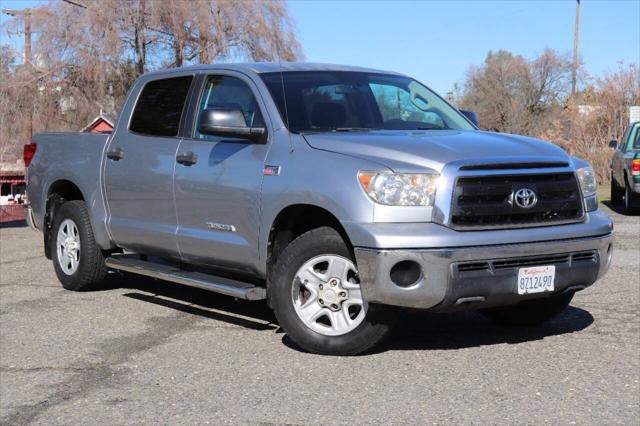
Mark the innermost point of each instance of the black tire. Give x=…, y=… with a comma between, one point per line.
x=616, y=191
x=631, y=200
x=378, y=320
x=91, y=270
x=529, y=312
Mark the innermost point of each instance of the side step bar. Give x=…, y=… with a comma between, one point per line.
x=229, y=287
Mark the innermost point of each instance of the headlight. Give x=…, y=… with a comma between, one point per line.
x=399, y=189
x=587, y=181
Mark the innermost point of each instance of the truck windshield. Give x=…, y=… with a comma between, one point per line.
x=323, y=101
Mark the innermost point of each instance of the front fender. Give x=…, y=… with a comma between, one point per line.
x=311, y=177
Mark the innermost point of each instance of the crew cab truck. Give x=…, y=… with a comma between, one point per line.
x=339, y=194
x=625, y=169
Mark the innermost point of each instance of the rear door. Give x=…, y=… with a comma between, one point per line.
x=617, y=161
x=218, y=195
x=139, y=169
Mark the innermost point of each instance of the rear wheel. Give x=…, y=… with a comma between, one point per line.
x=529, y=312
x=631, y=200
x=77, y=259
x=617, y=191
x=316, y=296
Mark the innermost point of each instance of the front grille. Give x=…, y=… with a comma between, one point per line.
x=488, y=201
x=477, y=266
x=527, y=261
x=587, y=256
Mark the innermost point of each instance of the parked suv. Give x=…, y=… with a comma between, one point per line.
x=625, y=169
x=338, y=194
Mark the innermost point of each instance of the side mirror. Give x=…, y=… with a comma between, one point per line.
x=230, y=123
x=613, y=144
x=471, y=116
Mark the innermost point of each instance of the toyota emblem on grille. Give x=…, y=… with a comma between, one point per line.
x=525, y=198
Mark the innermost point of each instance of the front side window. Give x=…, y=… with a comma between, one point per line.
x=222, y=91
x=318, y=101
x=159, y=107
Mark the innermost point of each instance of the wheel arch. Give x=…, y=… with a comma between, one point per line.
x=293, y=221
x=628, y=179
x=58, y=192
x=65, y=189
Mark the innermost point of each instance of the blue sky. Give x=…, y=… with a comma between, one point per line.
x=436, y=41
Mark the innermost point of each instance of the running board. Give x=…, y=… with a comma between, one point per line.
x=229, y=287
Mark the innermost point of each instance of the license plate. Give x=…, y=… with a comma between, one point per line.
x=536, y=279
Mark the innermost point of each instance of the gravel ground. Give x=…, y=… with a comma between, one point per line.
x=148, y=352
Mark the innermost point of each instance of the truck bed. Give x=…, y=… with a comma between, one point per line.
x=75, y=157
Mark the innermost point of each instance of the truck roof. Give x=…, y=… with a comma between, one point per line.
x=267, y=67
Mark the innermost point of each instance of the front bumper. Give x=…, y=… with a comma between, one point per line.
x=480, y=276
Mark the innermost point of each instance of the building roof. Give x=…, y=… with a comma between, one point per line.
x=102, y=117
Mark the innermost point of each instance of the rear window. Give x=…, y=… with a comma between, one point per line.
x=159, y=107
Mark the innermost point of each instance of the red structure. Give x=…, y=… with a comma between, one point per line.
x=12, y=195
x=101, y=124
x=12, y=178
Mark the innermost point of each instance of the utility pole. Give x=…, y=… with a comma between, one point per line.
x=27, y=30
x=28, y=60
x=575, y=52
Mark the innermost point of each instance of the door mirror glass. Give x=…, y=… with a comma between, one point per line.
x=471, y=115
x=228, y=122
x=613, y=144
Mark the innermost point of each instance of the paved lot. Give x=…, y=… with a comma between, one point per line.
x=150, y=352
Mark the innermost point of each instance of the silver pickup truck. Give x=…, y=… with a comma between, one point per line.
x=338, y=194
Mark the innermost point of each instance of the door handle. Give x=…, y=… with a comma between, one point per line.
x=116, y=154
x=187, y=158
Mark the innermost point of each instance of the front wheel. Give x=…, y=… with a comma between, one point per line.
x=316, y=297
x=529, y=312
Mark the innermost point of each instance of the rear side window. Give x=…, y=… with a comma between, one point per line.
x=636, y=143
x=159, y=107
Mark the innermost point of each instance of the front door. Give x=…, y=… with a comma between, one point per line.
x=218, y=191
x=139, y=170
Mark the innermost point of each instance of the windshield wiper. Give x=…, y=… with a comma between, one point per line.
x=339, y=129
x=430, y=128
x=352, y=129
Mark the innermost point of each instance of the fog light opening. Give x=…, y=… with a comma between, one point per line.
x=609, y=254
x=406, y=273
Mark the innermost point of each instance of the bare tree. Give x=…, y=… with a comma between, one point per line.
x=86, y=54
x=495, y=90
x=203, y=31
x=546, y=88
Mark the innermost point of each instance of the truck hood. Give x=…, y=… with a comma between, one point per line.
x=414, y=151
